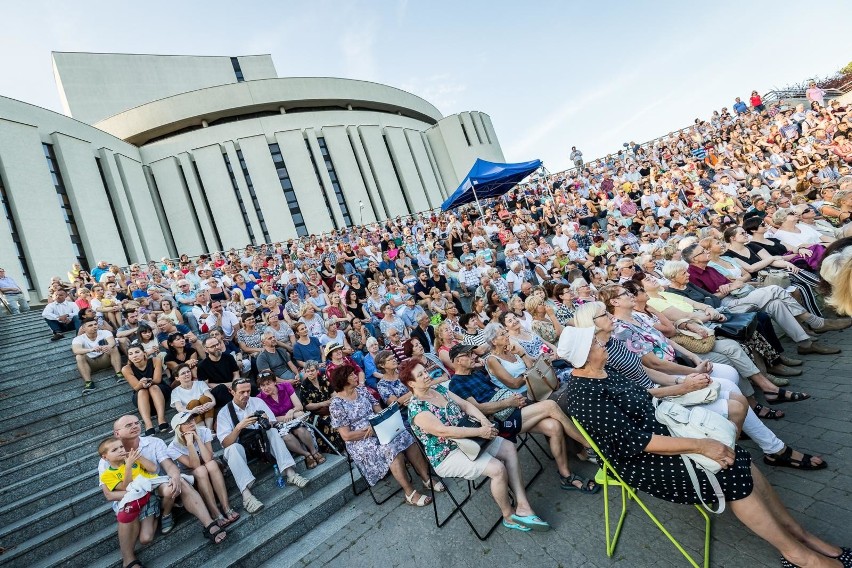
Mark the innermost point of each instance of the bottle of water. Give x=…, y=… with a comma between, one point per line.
x=279, y=479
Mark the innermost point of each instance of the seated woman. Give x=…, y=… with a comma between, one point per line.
x=435, y=413
x=145, y=377
x=619, y=417
x=179, y=353
x=315, y=394
x=445, y=339
x=390, y=387
x=306, y=347
x=192, y=450
x=193, y=397
x=544, y=320
x=836, y=274
x=351, y=407
x=281, y=399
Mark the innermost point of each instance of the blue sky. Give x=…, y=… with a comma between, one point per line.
x=550, y=74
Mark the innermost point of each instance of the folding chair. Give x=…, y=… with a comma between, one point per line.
x=607, y=476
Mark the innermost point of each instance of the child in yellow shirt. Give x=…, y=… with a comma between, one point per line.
x=123, y=467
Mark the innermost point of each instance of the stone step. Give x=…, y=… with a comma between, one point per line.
x=84, y=541
x=56, y=385
x=66, y=394
x=33, y=348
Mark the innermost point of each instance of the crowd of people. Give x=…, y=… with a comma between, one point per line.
x=629, y=276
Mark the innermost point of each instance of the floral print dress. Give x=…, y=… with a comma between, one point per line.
x=372, y=458
x=436, y=448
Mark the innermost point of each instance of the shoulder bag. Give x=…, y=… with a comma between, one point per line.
x=701, y=396
x=691, y=340
x=541, y=380
x=388, y=424
x=253, y=440
x=470, y=447
x=698, y=422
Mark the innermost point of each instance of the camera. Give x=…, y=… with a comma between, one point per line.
x=262, y=420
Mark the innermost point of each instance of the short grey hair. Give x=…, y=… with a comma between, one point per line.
x=490, y=332
x=674, y=267
x=370, y=341
x=267, y=333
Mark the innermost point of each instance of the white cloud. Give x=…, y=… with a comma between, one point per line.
x=442, y=90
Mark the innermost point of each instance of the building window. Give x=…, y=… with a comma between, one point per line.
x=207, y=204
x=112, y=209
x=289, y=193
x=253, y=196
x=322, y=188
x=335, y=182
x=239, y=199
x=16, y=238
x=65, y=205
x=235, y=63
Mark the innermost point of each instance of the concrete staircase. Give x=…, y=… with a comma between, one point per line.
x=52, y=512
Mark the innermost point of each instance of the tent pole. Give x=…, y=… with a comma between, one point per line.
x=478, y=206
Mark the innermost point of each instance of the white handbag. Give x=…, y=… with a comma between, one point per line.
x=388, y=424
x=697, y=422
x=701, y=396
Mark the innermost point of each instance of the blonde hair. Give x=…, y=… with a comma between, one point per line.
x=532, y=303
x=585, y=314
x=841, y=195
x=439, y=342
x=836, y=270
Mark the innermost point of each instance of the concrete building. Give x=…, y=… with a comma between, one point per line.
x=163, y=155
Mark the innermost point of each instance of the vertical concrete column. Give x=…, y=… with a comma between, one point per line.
x=409, y=177
x=43, y=233
x=208, y=233
x=267, y=187
x=95, y=222
x=492, y=134
x=244, y=193
x=424, y=167
x=177, y=208
x=311, y=205
x=383, y=169
x=141, y=201
x=375, y=195
x=220, y=195
x=324, y=177
x=352, y=183
x=434, y=165
x=124, y=213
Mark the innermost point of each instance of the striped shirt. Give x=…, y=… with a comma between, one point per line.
x=627, y=363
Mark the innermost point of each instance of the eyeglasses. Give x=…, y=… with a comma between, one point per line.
x=625, y=293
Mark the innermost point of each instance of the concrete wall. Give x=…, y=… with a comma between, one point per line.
x=94, y=86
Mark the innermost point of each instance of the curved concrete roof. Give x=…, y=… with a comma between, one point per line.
x=172, y=114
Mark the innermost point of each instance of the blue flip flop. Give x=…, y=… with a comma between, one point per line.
x=533, y=522
x=516, y=527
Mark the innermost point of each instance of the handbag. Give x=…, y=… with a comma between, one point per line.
x=470, y=447
x=691, y=340
x=738, y=326
x=502, y=394
x=779, y=278
x=253, y=440
x=701, y=396
x=387, y=424
x=541, y=380
x=700, y=423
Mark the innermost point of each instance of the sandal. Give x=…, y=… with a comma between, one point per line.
x=785, y=459
x=320, y=458
x=167, y=523
x=438, y=486
x=422, y=502
x=135, y=563
x=310, y=462
x=533, y=522
x=770, y=414
x=586, y=486
x=232, y=516
x=216, y=537
x=515, y=526
x=783, y=395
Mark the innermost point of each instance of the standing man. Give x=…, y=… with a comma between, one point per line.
x=61, y=315
x=576, y=157
x=15, y=294
x=128, y=429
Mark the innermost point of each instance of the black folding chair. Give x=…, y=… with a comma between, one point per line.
x=357, y=492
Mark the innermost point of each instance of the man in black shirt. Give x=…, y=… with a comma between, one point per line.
x=219, y=370
x=436, y=280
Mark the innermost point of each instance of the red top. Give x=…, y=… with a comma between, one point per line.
x=709, y=278
x=755, y=100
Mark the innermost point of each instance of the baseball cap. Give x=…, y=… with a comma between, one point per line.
x=460, y=349
x=181, y=418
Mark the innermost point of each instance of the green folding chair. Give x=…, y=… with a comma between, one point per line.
x=606, y=477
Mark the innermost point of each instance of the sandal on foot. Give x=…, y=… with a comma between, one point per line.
x=167, y=523
x=438, y=486
x=586, y=486
x=845, y=556
x=785, y=459
x=310, y=462
x=516, y=526
x=232, y=516
x=783, y=395
x=533, y=522
x=422, y=502
x=216, y=536
x=770, y=414
x=320, y=458
x=787, y=564
x=135, y=563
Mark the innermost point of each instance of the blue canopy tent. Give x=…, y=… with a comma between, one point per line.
x=489, y=179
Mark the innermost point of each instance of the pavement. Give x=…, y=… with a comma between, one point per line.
x=363, y=534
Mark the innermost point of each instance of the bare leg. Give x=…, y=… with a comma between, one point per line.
x=218, y=482
x=294, y=446
x=159, y=403
x=83, y=367
x=128, y=534
x=755, y=512
x=115, y=359
x=397, y=468
x=304, y=436
x=148, y=529
x=202, y=482
x=143, y=402
x=416, y=458
x=193, y=503
x=556, y=438
x=500, y=486
x=509, y=456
